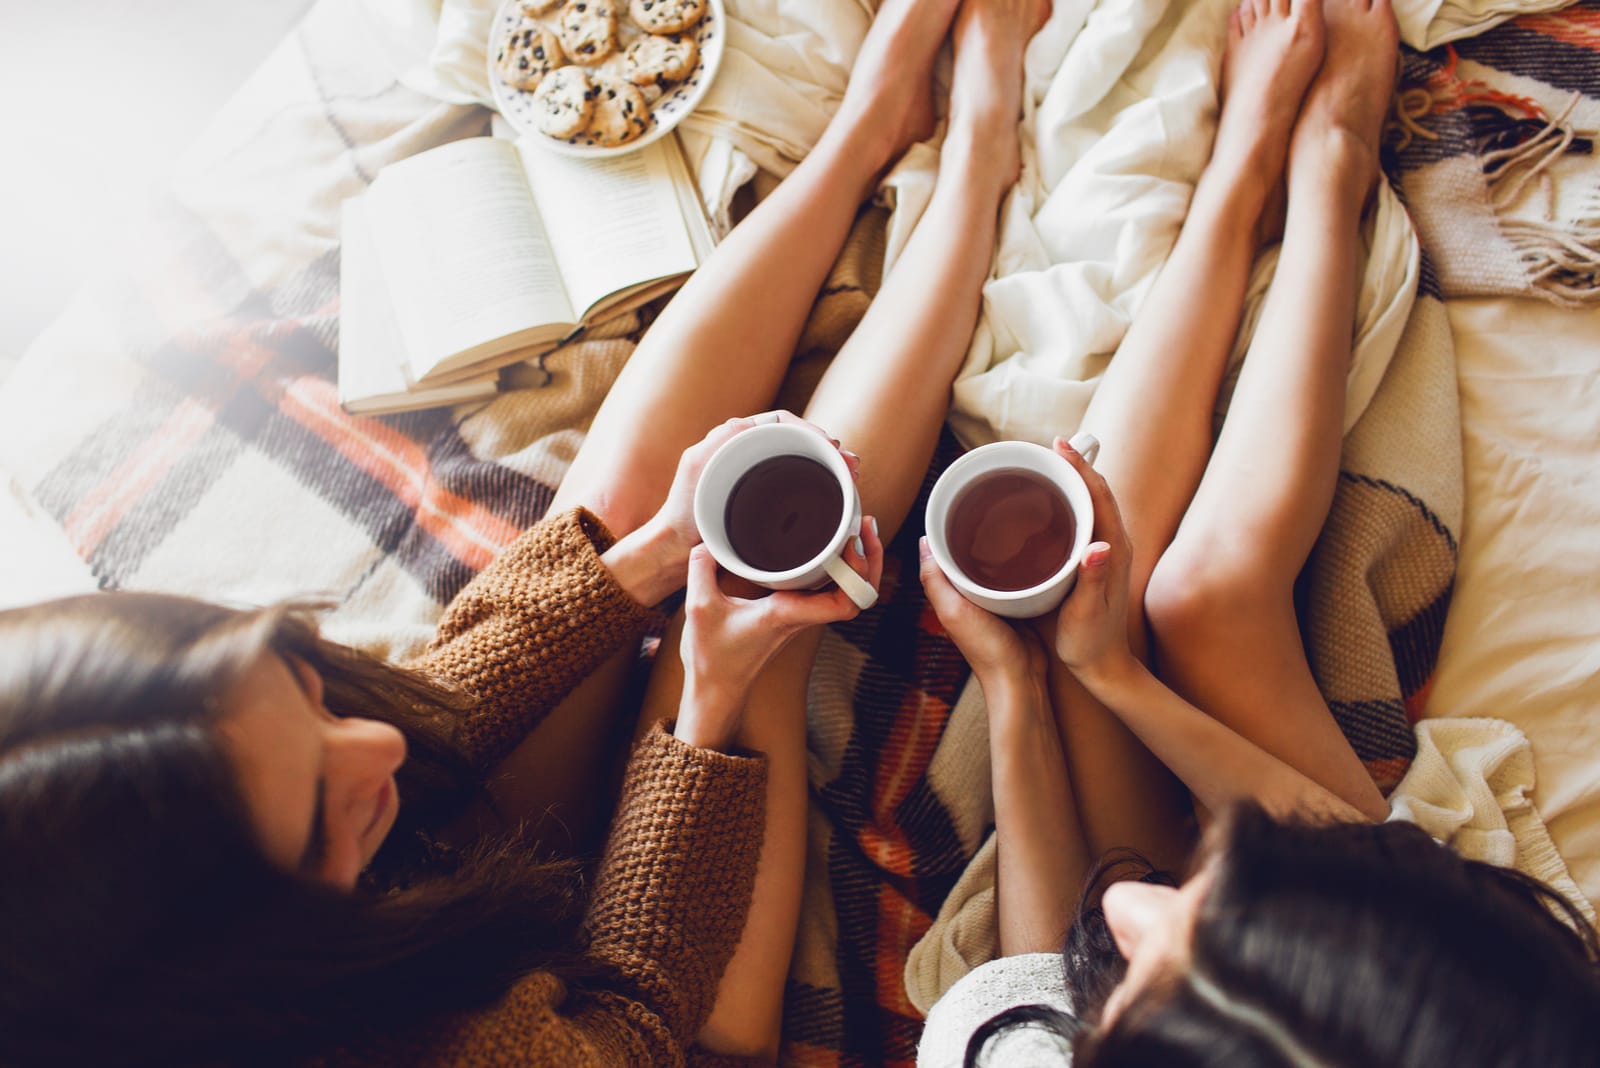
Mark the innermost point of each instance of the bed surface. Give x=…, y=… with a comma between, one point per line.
x=1522, y=639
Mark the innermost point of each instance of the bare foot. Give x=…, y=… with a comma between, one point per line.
x=1341, y=125
x=990, y=37
x=888, y=105
x=1274, y=49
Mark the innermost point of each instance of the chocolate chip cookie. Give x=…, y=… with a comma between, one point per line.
x=667, y=16
x=651, y=60
x=564, y=103
x=528, y=54
x=588, y=30
x=621, y=112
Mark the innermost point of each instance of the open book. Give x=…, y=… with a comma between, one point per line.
x=483, y=252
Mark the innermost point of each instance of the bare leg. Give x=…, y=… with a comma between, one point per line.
x=885, y=396
x=887, y=392
x=1221, y=602
x=1152, y=411
x=721, y=347
x=720, y=350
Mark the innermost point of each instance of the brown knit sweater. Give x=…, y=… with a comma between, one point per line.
x=675, y=882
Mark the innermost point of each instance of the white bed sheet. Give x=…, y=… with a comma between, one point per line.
x=1522, y=639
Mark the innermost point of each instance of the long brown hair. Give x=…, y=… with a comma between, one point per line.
x=140, y=921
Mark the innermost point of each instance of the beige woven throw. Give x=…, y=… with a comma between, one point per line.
x=1495, y=158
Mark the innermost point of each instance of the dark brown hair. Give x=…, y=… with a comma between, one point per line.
x=140, y=921
x=1341, y=946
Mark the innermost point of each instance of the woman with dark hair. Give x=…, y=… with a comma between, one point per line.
x=230, y=841
x=1293, y=945
x=1304, y=934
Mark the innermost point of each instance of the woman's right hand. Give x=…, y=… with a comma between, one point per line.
x=1092, y=625
x=727, y=640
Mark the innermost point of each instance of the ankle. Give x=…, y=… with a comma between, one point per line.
x=1333, y=164
x=1236, y=197
x=859, y=152
x=984, y=150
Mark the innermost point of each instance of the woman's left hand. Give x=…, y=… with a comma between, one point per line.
x=727, y=640
x=997, y=651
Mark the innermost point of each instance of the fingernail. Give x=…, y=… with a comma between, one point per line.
x=1063, y=443
x=861, y=549
x=850, y=455
x=874, y=521
x=924, y=550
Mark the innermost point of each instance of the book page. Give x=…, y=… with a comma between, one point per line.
x=372, y=360
x=613, y=223
x=690, y=206
x=463, y=251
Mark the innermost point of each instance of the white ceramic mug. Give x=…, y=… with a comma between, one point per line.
x=730, y=463
x=1003, y=455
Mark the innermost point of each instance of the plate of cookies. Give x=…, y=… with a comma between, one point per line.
x=602, y=77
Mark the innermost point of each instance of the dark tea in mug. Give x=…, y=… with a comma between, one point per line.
x=1010, y=529
x=783, y=512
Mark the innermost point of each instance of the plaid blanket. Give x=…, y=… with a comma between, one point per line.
x=180, y=425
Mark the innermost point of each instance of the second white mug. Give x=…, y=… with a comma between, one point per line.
x=1038, y=599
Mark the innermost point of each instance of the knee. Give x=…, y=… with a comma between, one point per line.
x=1198, y=591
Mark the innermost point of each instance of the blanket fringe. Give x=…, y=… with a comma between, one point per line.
x=1561, y=257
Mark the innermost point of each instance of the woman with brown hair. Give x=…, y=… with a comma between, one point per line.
x=230, y=841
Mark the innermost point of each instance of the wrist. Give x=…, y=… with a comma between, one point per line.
x=650, y=563
x=1111, y=675
x=1012, y=688
x=709, y=715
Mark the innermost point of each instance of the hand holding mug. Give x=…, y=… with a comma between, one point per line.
x=1092, y=627
x=999, y=651
x=727, y=640
x=671, y=532
x=1009, y=523
x=777, y=506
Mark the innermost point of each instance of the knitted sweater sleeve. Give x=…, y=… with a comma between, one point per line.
x=529, y=628
x=669, y=904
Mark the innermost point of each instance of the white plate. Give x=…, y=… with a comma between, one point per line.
x=667, y=109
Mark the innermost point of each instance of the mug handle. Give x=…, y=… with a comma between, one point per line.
x=1087, y=445
x=854, y=586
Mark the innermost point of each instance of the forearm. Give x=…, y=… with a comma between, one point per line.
x=1042, y=858
x=709, y=713
x=675, y=885
x=1218, y=765
x=529, y=628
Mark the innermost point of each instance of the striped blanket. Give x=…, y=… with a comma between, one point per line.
x=180, y=425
